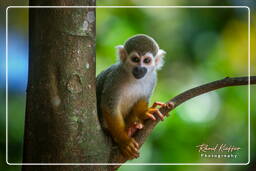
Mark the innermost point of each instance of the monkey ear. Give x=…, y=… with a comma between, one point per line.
x=159, y=61
x=121, y=53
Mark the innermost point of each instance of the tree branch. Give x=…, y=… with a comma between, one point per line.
x=141, y=135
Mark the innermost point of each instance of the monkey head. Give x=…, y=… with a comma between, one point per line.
x=140, y=55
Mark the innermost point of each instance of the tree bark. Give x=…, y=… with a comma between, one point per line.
x=61, y=124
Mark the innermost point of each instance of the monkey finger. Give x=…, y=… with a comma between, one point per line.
x=126, y=154
x=133, y=148
x=161, y=116
x=156, y=111
x=135, y=124
x=128, y=151
x=139, y=126
x=130, y=155
x=135, y=144
x=158, y=104
x=132, y=152
x=170, y=105
x=135, y=154
x=151, y=116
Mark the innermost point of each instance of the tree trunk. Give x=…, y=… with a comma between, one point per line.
x=61, y=124
x=61, y=119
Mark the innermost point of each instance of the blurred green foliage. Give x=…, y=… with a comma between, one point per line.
x=202, y=45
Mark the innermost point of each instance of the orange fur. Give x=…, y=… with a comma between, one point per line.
x=122, y=128
x=116, y=126
x=137, y=113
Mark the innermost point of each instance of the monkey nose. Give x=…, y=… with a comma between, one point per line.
x=139, y=72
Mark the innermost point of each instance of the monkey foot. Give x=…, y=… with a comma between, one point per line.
x=131, y=149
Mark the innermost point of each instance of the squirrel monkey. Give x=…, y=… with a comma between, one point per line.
x=124, y=89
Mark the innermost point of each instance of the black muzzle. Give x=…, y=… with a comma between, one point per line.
x=139, y=72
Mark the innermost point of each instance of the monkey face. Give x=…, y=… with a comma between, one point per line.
x=141, y=64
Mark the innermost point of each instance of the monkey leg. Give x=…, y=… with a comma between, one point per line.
x=116, y=126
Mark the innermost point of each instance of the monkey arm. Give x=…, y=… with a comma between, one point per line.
x=137, y=113
x=134, y=120
x=140, y=112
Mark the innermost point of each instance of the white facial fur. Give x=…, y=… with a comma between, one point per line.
x=159, y=59
x=127, y=60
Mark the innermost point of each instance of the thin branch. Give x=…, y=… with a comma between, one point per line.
x=141, y=135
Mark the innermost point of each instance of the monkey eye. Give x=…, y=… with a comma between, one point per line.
x=147, y=60
x=135, y=59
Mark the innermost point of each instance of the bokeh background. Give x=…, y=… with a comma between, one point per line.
x=202, y=45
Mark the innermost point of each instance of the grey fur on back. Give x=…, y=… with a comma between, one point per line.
x=100, y=81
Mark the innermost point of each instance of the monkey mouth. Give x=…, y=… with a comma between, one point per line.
x=139, y=72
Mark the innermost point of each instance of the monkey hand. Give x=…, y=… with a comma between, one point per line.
x=154, y=110
x=133, y=128
x=130, y=149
